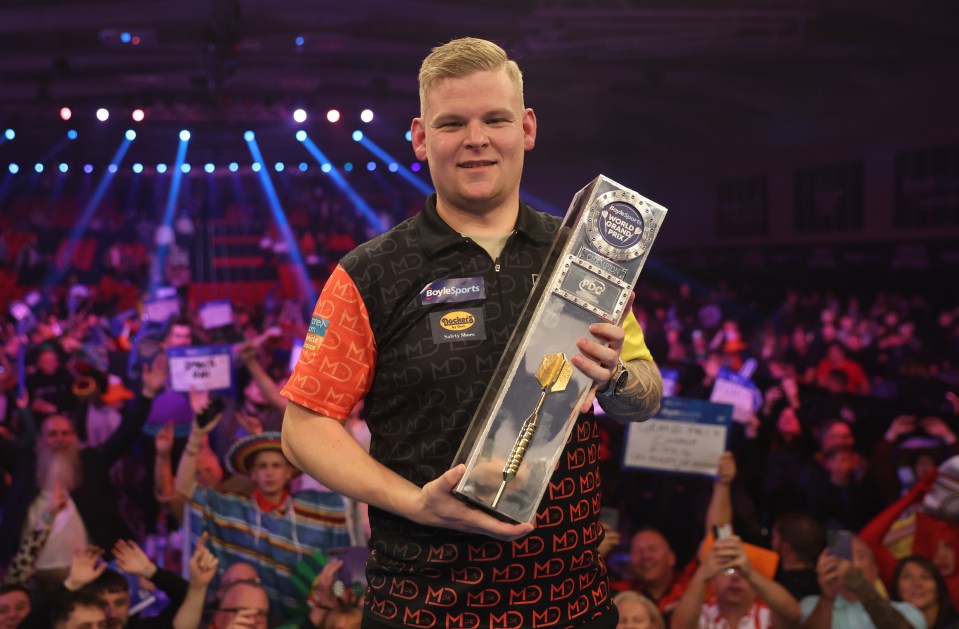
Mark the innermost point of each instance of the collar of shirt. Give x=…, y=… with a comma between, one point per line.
x=264, y=503
x=435, y=235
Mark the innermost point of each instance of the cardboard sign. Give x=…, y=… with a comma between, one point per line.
x=670, y=378
x=162, y=309
x=204, y=368
x=216, y=314
x=686, y=435
x=739, y=391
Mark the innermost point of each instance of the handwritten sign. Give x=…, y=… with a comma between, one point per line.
x=204, y=368
x=216, y=314
x=686, y=435
x=738, y=390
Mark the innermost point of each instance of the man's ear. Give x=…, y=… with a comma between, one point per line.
x=418, y=138
x=529, y=129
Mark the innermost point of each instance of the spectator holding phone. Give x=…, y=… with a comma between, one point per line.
x=849, y=596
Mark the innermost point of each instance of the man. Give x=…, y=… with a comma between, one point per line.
x=798, y=538
x=91, y=514
x=744, y=598
x=273, y=528
x=244, y=604
x=434, y=558
x=14, y=605
x=653, y=572
x=849, y=597
x=79, y=610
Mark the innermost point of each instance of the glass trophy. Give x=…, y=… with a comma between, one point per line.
x=525, y=417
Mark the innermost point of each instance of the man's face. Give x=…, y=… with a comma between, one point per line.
x=178, y=336
x=863, y=559
x=651, y=558
x=14, y=607
x=242, y=596
x=474, y=133
x=58, y=434
x=209, y=472
x=48, y=362
x=85, y=618
x=270, y=472
x=732, y=589
x=118, y=608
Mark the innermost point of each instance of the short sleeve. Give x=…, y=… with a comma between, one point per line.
x=335, y=369
x=634, y=346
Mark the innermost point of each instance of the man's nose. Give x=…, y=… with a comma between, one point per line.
x=476, y=135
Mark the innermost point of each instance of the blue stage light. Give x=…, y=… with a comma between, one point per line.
x=38, y=168
x=256, y=167
x=415, y=167
x=299, y=40
x=393, y=167
x=234, y=167
x=63, y=167
x=138, y=168
x=371, y=166
x=279, y=167
x=72, y=134
x=326, y=167
x=209, y=168
x=184, y=136
x=161, y=168
x=9, y=134
x=14, y=169
x=348, y=166
x=408, y=136
x=88, y=168
x=125, y=37
x=357, y=135
x=130, y=135
x=249, y=136
x=184, y=168
x=112, y=168
x=303, y=167
x=301, y=135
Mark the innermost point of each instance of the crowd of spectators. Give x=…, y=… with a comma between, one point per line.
x=101, y=460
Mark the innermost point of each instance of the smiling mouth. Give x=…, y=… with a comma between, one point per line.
x=476, y=164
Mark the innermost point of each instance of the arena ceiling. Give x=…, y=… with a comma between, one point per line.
x=623, y=73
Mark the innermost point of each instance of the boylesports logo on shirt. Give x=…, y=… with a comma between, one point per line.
x=451, y=291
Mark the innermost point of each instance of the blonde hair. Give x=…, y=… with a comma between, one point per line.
x=462, y=57
x=655, y=618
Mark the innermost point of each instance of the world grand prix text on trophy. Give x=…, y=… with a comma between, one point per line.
x=533, y=399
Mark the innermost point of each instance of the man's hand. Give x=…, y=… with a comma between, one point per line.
x=246, y=618
x=829, y=571
x=155, y=375
x=85, y=567
x=163, y=442
x=202, y=564
x=249, y=423
x=610, y=541
x=936, y=427
x=435, y=505
x=131, y=559
x=57, y=502
x=599, y=360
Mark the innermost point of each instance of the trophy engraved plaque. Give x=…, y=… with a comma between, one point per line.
x=530, y=406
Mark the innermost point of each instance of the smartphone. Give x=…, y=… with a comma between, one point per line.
x=840, y=543
x=722, y=531
x=210, y=411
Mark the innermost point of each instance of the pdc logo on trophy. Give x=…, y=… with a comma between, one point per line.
x=592, y=286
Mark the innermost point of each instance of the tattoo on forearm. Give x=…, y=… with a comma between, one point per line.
x=642, y=394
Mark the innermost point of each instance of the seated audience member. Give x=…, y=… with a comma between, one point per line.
x=90, y=514
x=78, y=610
x=637, y=612
x=743, y=596
x=918, y=581
x=798, y=539
x=274, y=529
x=849, y=596
x=14, y=605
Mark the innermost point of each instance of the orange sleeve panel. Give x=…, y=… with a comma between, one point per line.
x=335, y=369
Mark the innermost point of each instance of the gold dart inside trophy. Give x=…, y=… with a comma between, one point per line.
x=553, y=375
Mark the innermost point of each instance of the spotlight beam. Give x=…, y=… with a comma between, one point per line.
x=362, y=206
x=55, y=274
x=159, y=260
x=279, y=216
x=404, y=172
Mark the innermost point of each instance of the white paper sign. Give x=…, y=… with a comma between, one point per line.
x=205, y=368
x=732, y=388
x=216, y=314
x=160, y=310
x=685, y=436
